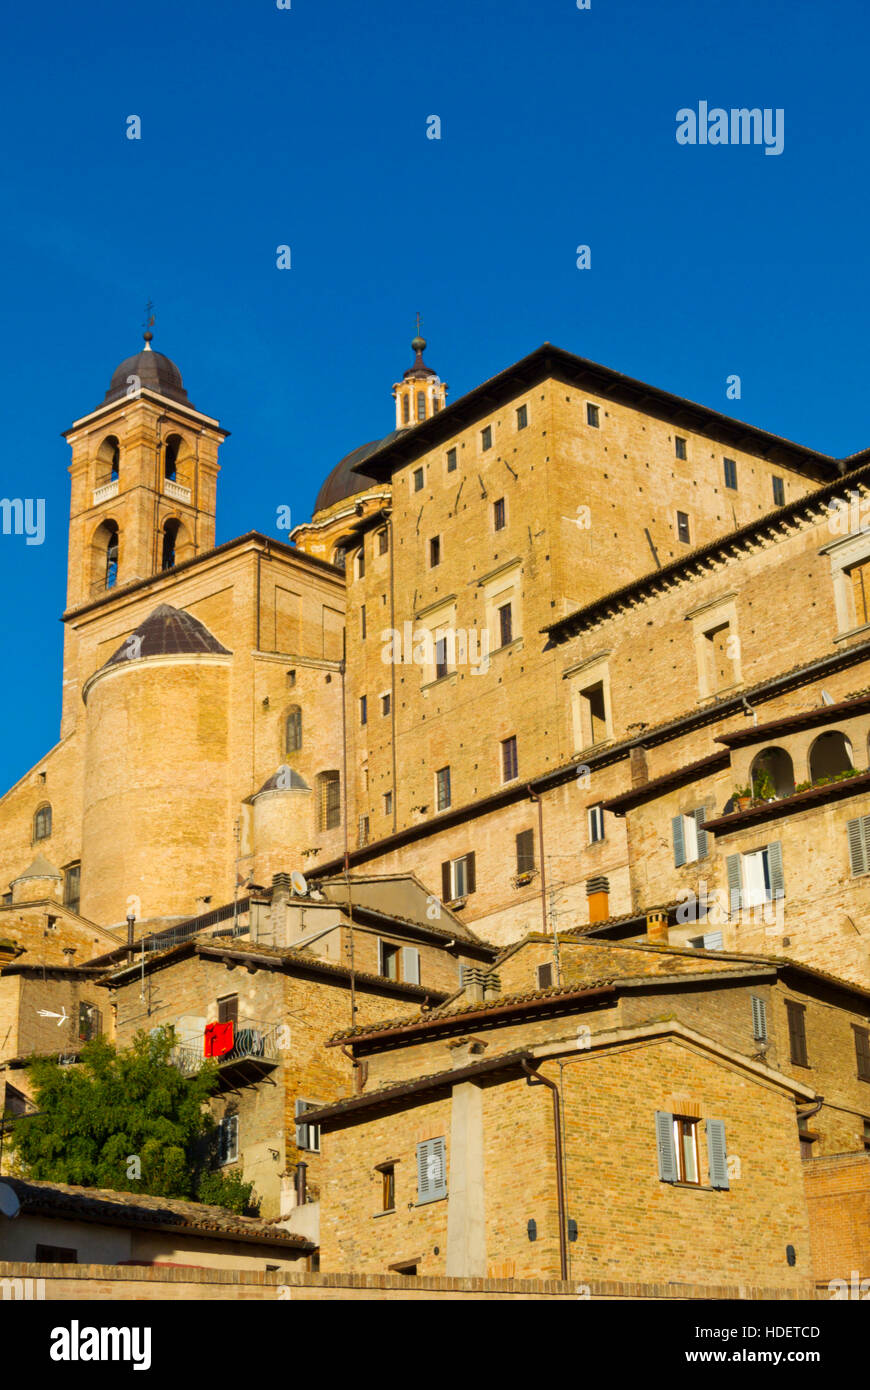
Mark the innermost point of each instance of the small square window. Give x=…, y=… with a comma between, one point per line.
x=388, y=803
x=730, y=474
x=498, y=514
x=592, y=415
x=451, y=460
x=679, y=446
x=418, y=479
x=442, y=788
x=363, y=709
x=778, y=492
x=486, y=437
x=388, y=1187
x=683, y=527
x=434, y=552
x=522, y=416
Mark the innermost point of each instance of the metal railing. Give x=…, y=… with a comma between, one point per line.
x=252, y=1041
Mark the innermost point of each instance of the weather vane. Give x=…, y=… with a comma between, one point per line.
x=149, y=320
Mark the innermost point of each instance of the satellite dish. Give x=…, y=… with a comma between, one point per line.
x=827, y=699
x=298, y=884
x=9, y=1203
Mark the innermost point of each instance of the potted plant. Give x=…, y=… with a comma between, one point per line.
x=743, y=797
x=763, y=788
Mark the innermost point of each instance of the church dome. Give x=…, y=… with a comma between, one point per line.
x=155, y=373
x=167, y=631
x=346, y=478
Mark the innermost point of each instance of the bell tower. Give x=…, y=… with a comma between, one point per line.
x=144, y=480
x=421, y=392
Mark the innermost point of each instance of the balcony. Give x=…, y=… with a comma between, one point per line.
x=176, y=490
x=105, y=491
x=253, y=1054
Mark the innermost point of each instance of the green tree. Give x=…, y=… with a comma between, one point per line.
x=125, y=1119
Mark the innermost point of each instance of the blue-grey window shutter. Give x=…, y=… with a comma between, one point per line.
x=679, y=841
x=717, y=1153
x=410, y=965
x=759, y=1019
x=665, y=1146
x=712, y=941
x=380, y=956
x=774, y=863
x=700, y=816
x=734, y=882
x=857, y=833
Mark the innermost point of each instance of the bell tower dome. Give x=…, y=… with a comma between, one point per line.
x=144, y=479
x=421, y=392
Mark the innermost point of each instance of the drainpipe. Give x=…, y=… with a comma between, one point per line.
x=357, y=1073
x=301, y=1193
x=533, y=1079
x=534, y=796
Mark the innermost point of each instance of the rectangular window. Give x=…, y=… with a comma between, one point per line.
x=361, y=563
x=505, y=625
x=418, y=479
x=362, y=622
x=385, y=704
x=859, y=576
x=509, y=759
x=594, y=713
x=228, y=1139
x=525, y=851
x=862, y=1051
x=56, y=1255
x=330, y=800
x=451, y=460
x=486, y=437
x=389, y=960
x=595, y=824
x=90, y=1022
x=683, y=527
x=383, y=541
x=434, y=552
x=592, y=414
x=759, y=1019
x=498, y=514
x=363, y=709
x=544, y=975
x=522, y=416
x=307, y=1136
x=690, y=840
x=440, y=658
x=388, y=1187
x=72, y=879
x=228, y=1010
x=757, y=877
x=679, y=446
x=778, y=492
x=686, y=1147
x=458, y=878
x=858, y=838
x=388, y=803
x=797, y=1032
x=431, y=1171
x=731, y=474
x=363, y=831
x=721, y=670
x=442, y=788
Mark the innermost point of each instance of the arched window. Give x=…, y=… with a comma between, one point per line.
x=329, y=800
x=42, y=823
x=108, y=460
x=421, y=405
x=170, y=457
x=170, y=538
x=406, y=408
x=293, y=730
x=772, y=774
x=112, y=556
x=831, y=753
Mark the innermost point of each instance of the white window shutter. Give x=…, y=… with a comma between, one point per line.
x=410, y=965
x=665, y=1146
x=679, y=841
x=759, y=1019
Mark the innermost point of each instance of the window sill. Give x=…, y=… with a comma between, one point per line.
x=508, y=646
x=376, y=1216
x=429, y=1201
x=696, y=1187
x=438, y=680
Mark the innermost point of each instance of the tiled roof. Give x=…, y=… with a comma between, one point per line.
x=806, y=719
x=624, y=801
x=167, y=631
x=790, y=805
x=98, y=1204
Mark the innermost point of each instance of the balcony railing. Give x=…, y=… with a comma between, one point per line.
x=176, y=490
x=255, y=1048
x=105, y=491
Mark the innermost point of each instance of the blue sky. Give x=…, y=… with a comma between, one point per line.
x=307, y=127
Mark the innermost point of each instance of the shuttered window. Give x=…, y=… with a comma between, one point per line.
x=667, y=1154
x=858, y=834
x=797, y=1032
x=690, y=840
x=410, y=965
x=545, y=976
x=431, y=1171
x=717, y=1156
x=329, y=784
x=862, y=1052
x=525, y=851
x=759, y=1019
x=307, y=1136
x=735, y=883
x=458, y=878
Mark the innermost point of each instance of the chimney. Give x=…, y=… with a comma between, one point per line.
x=598, y=896
x=280, y=899
x=474, y=984
x=638, y=768
x=657, y=928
